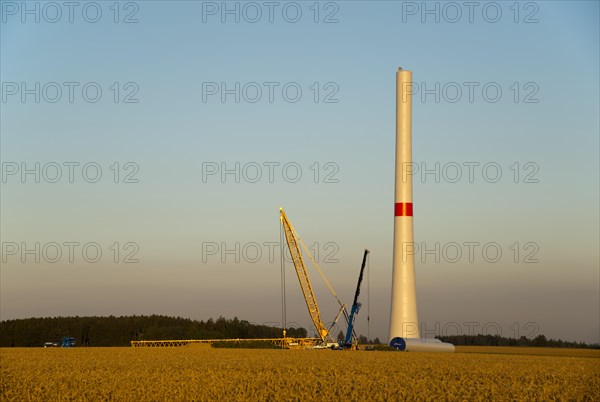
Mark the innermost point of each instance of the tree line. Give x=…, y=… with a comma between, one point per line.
x=119, y=331
x=496, y=340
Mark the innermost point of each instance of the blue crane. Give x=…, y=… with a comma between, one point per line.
x=347, y=343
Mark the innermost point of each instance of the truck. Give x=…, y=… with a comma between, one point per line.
x=67, y=342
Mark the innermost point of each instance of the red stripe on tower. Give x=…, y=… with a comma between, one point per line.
x=403, y=209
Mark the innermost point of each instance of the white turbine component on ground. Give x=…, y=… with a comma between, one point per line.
x=404, y=322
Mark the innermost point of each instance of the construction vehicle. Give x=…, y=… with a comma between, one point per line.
x=67, y=342
x=348, y=343
x=294, y=242
x=323, y=339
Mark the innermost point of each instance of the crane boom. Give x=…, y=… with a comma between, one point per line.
x=355, y=305
x=307, y=291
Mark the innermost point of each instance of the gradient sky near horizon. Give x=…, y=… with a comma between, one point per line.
x=529, y=129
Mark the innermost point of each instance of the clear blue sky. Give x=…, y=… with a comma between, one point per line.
x=542, y=132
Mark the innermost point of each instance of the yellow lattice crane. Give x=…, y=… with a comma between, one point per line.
x=294, y=242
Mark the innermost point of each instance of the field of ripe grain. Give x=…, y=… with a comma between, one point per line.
x=190, y=373
x=519, y=350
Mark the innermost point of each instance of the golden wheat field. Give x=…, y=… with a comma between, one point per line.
x=201, y=373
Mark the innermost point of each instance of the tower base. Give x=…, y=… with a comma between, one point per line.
x=421, y=345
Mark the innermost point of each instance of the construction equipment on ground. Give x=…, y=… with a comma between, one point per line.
x=348, y=343
x=280, y=343
x=324, y=339
x=294, y=242
x=67, y=342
